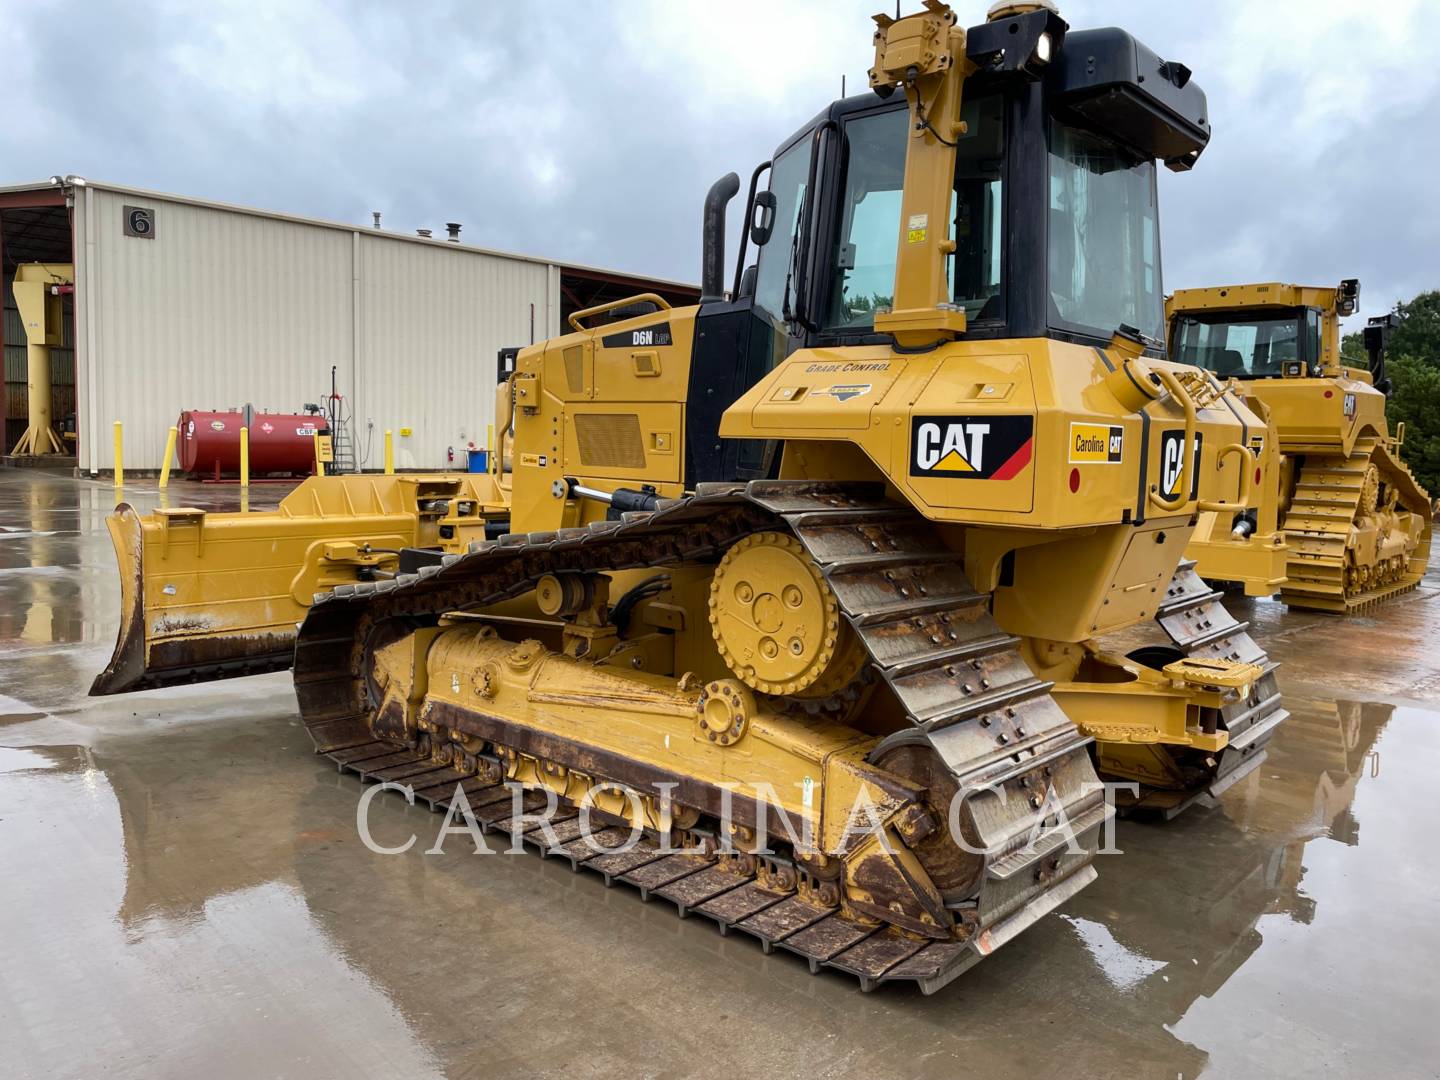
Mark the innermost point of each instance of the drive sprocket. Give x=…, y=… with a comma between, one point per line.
x=777, y=622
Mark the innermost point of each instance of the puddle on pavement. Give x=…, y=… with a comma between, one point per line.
x=224, y=855
x=14, y=759
x=223, y=984
x=8, y=719
x=184, y=875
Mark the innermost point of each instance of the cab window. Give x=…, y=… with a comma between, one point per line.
x=1312, y=336
x=1235, y=346
x=774, y=277
x=862, y=264
x=1102, y=236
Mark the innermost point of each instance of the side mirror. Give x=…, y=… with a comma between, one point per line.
x=762, y=218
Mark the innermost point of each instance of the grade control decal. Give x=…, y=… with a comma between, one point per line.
x=843, y=391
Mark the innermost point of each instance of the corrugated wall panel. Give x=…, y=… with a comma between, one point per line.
x=222, y=307
x=431, y=322
x=218, y=309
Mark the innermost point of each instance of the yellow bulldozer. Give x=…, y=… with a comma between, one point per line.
x=803, y=589
x=1341, y=524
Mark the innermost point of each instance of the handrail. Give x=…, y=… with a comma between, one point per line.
x=600, y=309
x=1180, y=394
x=745, y=228
x=1245, y=479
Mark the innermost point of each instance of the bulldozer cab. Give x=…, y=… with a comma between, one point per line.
x=1272, y=344
x=1053, y=207
x=1052, y=214
x=1265, y=331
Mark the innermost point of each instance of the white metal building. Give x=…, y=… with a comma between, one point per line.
x=196, y=304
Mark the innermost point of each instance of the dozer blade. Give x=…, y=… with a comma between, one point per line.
x=208, y=596
x=971, y=701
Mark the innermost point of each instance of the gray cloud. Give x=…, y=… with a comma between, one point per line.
x=590, y=131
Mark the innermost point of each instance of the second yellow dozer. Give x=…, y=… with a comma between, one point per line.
x=1340, y=522
x=802, y=587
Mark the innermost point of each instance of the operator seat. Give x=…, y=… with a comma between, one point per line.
x=1230, y=362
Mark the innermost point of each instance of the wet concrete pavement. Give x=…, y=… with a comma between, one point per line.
x=184, y=892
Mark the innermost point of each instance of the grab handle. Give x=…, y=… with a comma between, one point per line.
x=1245, y=479
x=577, y=319
x=1180, y=394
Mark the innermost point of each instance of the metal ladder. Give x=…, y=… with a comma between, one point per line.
x=343, y=449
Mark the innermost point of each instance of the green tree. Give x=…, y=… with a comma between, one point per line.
x=1415, y=401
x=1352, y=350
x=1417, y=336
x=1412, y=364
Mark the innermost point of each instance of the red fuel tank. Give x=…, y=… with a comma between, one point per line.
x=279, y=442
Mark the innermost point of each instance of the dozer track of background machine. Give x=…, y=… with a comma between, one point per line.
x=1349, y=548
x=973, y=714
x=1342, y=525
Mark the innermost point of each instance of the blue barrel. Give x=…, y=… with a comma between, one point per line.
x=479, y=460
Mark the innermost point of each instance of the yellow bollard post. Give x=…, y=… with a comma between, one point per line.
x=244, y=456
x=389, y=453
x=169, y=455
x=119, y=456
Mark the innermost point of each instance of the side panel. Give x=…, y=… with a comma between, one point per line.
x=1331, y=412
x=736, y=345
x=604, y=407
x=984, y=432
x=973, y=434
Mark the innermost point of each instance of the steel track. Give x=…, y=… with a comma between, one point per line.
x=962, y=682
x=1194, y=617
x=1317, y=526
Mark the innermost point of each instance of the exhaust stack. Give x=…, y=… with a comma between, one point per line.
x=712, y=238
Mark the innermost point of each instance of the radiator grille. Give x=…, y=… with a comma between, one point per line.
x=610, y=439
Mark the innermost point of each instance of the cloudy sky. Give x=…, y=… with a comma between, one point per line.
x=589, y=131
